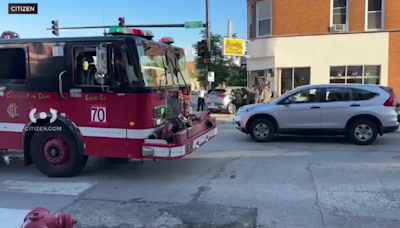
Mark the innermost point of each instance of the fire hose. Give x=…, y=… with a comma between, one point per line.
x=42, y=218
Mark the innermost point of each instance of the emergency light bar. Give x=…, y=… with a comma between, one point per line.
x=167, y=40
x=130, y=31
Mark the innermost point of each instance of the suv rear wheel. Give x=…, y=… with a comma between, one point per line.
x=262, y=130
x=362, y=132
x=231, y=108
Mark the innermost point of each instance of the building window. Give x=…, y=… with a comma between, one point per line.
x=375, y=14
x=12, y=66
x=294, y=77
x=355, y=74
x=249, y=22
x=339, y=12
x=264, y=18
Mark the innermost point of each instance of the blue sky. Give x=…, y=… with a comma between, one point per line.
x=90, y=13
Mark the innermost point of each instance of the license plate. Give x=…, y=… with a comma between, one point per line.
x=212, y=104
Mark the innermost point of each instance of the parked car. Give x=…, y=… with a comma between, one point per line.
x=360, y=112
x=224, y=99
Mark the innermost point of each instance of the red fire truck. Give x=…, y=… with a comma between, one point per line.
x=123, y=95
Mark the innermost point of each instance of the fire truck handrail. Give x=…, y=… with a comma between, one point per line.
x=60, y=83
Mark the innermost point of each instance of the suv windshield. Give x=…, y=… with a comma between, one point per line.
x=217, y=92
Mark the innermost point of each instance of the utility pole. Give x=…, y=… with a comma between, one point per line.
x=208, y=37
x=235, y=59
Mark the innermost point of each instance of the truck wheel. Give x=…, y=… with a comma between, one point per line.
x=55, y=154
x=262, y=130
x=362, y=132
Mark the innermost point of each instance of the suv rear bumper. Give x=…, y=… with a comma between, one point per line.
x=174, y=151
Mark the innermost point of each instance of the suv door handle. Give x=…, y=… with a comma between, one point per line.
x=354, y=105
x=314, y=107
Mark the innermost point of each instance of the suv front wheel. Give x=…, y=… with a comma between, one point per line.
x=362, y=132
x=262, y=130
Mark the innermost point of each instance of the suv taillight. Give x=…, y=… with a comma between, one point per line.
x=222, y=96
x=392, y=101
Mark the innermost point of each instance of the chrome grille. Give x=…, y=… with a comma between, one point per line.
x=174, y=107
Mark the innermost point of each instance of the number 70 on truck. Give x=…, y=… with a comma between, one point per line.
x=123, y=95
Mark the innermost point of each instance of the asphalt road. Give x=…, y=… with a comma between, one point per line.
x=229, y=182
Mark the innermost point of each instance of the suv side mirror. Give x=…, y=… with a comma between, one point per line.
x=287, y=101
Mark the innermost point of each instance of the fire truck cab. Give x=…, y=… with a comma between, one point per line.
x=123, y=95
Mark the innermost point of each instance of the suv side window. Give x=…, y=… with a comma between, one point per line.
x=340, y=94
x=12, y=66
x=305, y=96
x=363, y=95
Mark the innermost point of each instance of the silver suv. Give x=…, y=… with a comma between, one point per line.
x=360, y=112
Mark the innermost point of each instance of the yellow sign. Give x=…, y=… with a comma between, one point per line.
x=234, y=46
x=12, y=110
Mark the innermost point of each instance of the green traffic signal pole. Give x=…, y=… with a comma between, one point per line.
x=208, y=30
x=134, y=26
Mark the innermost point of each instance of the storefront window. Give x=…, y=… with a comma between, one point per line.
x=294, y=77
x=355, y=74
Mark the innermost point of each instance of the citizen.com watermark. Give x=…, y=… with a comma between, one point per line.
x=43, y=115
x=43, y=128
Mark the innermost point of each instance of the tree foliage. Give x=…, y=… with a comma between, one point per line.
x=222, y=65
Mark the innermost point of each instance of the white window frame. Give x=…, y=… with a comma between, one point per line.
x=249, y=21
x=347, y=14
x=293, y=68
x=382, y=16
x=362, y=76
x=257, y=19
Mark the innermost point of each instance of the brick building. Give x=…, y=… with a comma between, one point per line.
x=300, y=42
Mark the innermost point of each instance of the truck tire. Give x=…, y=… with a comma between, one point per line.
x=362, y=132
x=56, y=153
x=261, y=130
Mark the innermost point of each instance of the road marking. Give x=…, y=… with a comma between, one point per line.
x=56, y=188
x=12, y=218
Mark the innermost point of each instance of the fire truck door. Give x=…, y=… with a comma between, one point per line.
x=14, y=93
x=99, y=112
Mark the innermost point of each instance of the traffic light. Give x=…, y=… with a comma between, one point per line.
x=202, y=52
x=202, y=48
x=55, y=27
x=121, y=21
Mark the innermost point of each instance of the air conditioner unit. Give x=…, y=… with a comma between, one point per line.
x=338, y=28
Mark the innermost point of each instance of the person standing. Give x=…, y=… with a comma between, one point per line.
x=266, y=93
x=200, y=100
x=256, y=94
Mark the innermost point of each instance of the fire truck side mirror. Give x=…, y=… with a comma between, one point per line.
x=100, y=78
x=101, y=60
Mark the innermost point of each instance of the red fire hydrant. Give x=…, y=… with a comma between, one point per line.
x=41, y=218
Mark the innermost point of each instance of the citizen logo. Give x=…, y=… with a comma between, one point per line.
x=22, y=8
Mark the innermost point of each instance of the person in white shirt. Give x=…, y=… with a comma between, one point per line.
x=200, y=100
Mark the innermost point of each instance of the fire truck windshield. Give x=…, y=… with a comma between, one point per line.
x=154, y=66
x=183, y=68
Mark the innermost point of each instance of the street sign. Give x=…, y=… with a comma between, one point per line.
x=211, y=76
x=235, y=47
x=193, y=24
